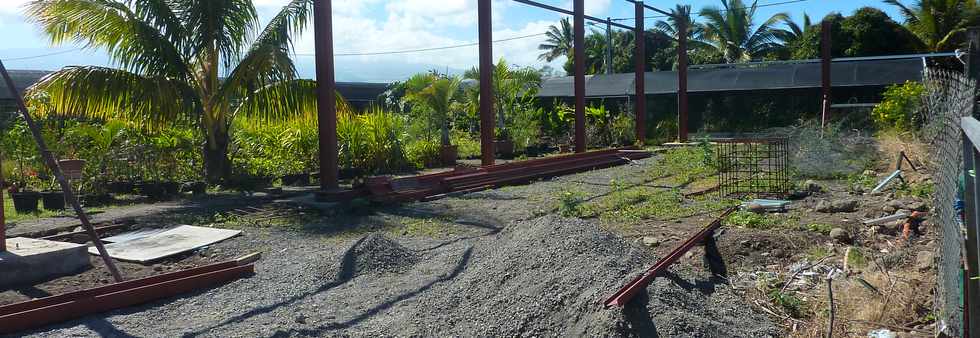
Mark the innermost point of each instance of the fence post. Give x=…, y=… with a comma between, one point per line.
x=682, y=107
x=639, y=67
x=484, y=22
x=326, y=110
x=579, y=58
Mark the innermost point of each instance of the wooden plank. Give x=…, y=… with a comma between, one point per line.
x=169, y=243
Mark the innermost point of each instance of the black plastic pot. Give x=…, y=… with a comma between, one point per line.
x=96, y=200
x=296, y=180
x=121, y=187
x=194, y=188
x=153, y=190
x=53, y=200
x=25, y=202
x=171, y=188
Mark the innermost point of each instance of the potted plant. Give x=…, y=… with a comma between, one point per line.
x=53, y=198
x=437, y=93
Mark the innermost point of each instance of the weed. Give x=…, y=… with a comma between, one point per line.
x=752, y=220
x=920, y=190
x=856, y=259
x=793, y=305
x=817, y=252
x=570, y=203
x=821, y=228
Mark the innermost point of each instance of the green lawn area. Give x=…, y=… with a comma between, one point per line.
x=13, y=216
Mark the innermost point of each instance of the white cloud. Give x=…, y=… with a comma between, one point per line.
x=596, y=8
x=12, y=6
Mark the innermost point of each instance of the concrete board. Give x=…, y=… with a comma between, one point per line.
x=134, y=235
x=28, y=261
x=172, y=242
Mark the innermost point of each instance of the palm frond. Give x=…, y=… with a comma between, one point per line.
x=107, y=93
x=131, y=43
x=221, y=27
x=286, y=101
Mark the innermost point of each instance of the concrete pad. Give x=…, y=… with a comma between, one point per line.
x=28, y=261
x=165, y=244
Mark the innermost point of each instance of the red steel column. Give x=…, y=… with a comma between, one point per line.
x=486, y=81
x=3, y=225
x=326, y=110
x=682, y=80
x=825, y=71
x=639, y=61
x=579, y=57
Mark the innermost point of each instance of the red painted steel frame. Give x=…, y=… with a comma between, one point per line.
x=825, y=61
x=59, y=308
x=682, y=108
x=639, y=283
x=485, y=18
x=579, y=59
x=325, y=94
x=639, y=64
x=3, y=224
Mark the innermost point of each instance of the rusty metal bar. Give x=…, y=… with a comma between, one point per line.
x=579, y=60
x=568, y=12
x=49, y=159
x=326, y=111
x=825, y=61
x=682, y=108
x=485, y=22
x=59, y=308
x=625, y=294
x=639, y=64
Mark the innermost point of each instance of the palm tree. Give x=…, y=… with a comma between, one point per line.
x=437, y=94
x=732, y=32
x=513, y=89
x=795, y=31
x=559, y=42
x=681, y=14
x=939, y=23
x=170, y=56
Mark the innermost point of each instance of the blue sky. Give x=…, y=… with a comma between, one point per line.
x=379, y=26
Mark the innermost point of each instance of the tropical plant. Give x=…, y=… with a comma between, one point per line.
x=899, y=106
x=795, y=31
x=559, y=42
x=939, y=24
x=732, y=32
x=513, y=89
x=696, y=45
x=170, y=55
x=436, y=94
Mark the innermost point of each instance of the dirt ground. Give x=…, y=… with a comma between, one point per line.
x=529, y=260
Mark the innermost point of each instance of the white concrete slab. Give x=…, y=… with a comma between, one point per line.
x=134, y=235
x=29, y=260
x=175, y=241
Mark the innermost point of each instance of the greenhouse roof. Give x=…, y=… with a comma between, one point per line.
x=761, y=76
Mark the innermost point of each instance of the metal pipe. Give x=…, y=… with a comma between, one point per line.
x=579, y=59
x=651, y=7
x=639, y=67
x=682, y=108
x=49, y=159
x=485, y=22
x=568, y=12
x=326, y=111
x=825, y=60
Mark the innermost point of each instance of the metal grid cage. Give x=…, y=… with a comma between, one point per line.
x=753, y=166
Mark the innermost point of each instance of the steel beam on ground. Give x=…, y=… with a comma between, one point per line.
x=49, y=160
x=825, y=62
x=485, y=21
x=639, y=68
x=682, y=107
x=579, y=60
x=625, y=294
x=326, y=111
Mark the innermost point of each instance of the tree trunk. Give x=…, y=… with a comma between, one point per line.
x=217, y=166
x=445, y=134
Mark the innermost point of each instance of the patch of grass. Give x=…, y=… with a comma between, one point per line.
x=856, y=259
x=432, y=228
x=817, y=252
x=753, y=220
x=791, y=304
x=920, y=190
x=687, y=164
x=860, y=181
x=821, y=228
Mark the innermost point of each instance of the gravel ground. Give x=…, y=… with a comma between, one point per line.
x=494, y=263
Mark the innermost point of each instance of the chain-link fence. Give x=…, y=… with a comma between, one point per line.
x=948, y=97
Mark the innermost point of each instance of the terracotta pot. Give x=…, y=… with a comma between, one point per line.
x=448, y=155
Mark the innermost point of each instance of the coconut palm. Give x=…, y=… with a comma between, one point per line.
x=559, y=42
x=794, y=32
x=681, y=14
x=170, y=56
x=437, y=94
x=940, y=24
x=732, y=33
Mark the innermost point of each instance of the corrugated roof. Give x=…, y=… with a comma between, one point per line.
x=734, y=78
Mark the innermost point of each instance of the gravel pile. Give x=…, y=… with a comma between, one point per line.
x=547, y=276
x=378, y=253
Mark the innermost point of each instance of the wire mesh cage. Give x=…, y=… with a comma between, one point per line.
x=753, y=166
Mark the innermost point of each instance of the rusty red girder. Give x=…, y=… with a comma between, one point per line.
x=54, y=309
x=625, y=294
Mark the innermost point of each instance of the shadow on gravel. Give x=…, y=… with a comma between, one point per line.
x=322, y=330
x=488, y=195
x=706, y=287
x=637, y=314
x=344, y=274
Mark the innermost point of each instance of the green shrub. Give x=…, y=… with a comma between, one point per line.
x=468, y=146
x=423, y=153
x=899, y=106
x=822, y=228
x=570, y=203
x=752, y=220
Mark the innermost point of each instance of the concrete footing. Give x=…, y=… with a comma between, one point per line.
x=28, y=261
